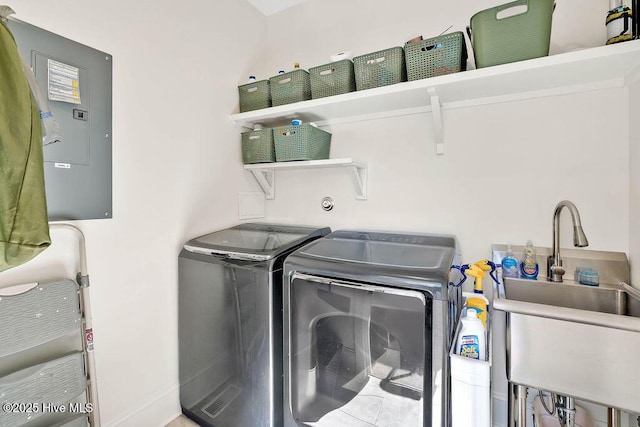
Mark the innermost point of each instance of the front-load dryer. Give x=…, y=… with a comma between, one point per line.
x=368, y=322
x=230, y=323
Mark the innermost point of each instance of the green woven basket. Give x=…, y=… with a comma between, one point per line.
x=258, y=147
x=332, y=79
x=499, y=39
x=382, y=68
x=254, y=96
x=437, y=56
x=290, y=87
x=304, y=142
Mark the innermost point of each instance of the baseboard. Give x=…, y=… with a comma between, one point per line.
x=157, y=411
x=499, y=410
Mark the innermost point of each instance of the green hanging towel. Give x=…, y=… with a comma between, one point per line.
x=24, y=230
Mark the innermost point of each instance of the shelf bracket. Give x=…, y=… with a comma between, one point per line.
x=265, y=175
x=436, y=114
x=266, y=179
x=359, y=175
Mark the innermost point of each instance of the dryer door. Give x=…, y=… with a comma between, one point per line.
x=358, y=353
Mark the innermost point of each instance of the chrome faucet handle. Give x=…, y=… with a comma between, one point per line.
x=555, y=271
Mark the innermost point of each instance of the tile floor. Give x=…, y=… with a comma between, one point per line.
x=182, y=421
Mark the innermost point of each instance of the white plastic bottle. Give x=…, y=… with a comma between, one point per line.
x=472, y=341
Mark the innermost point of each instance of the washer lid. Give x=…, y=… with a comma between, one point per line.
x=253, y=241
x=429, y=254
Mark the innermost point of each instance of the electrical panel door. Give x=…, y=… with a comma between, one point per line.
x=76, y=80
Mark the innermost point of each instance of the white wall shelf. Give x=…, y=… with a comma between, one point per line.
x=264, y=173
x=584, y=70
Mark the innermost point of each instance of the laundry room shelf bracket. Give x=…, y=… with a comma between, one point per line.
x=359, y=175
x=436, y=115
x=266, y=180
x=264, y=173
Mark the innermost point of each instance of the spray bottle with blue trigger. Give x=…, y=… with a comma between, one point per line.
x=484, y=265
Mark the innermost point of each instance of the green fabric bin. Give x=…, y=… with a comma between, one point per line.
x=332, y=79
x=254, y=96
x=257, y=146
x=511, y=32
x=437, y=56
x=303, y=142
x=382, y=68
x=287, y=88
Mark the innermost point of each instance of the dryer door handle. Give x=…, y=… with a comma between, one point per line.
x=369, y=287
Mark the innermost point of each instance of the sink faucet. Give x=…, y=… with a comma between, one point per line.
x=555, y=271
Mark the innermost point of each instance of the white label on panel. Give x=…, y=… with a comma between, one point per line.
x=63, y=82
x=62, y=165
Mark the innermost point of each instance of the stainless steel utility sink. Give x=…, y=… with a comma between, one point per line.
x=573, y=339
x=612, y=299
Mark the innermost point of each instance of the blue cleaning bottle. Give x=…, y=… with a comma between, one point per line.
x=510, y=265
x=529, y=266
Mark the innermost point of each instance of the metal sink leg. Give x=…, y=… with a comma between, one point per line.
x=613, y=418
x=517, y=406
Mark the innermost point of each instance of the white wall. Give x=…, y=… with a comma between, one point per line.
x=505, y=168
x=176, y=175
x=634, y=192
x=634, y=179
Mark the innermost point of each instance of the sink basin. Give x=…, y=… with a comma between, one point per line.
x=612, y=299
x=575, y=340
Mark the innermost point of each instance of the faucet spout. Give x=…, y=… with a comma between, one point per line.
x=555, y=271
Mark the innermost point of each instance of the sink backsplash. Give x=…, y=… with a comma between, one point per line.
x=613, y=267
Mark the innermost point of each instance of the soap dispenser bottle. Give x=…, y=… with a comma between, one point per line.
x=510, y=265
x=529, y=266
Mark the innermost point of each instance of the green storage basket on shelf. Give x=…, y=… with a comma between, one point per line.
x=254, y=96
x=287, y=88
x=332, y=79
x=498, y=36
x=303, y=142
x=436, y=56
x=258, y=147
x=382, y=68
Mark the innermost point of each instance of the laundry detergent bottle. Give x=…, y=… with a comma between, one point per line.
x=472, y=341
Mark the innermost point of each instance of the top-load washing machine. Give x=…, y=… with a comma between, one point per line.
x=230, y=323
x=369, y=319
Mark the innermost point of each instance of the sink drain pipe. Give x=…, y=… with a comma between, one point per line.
x=563, y=406
x=566, y=407
x=566, y=411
